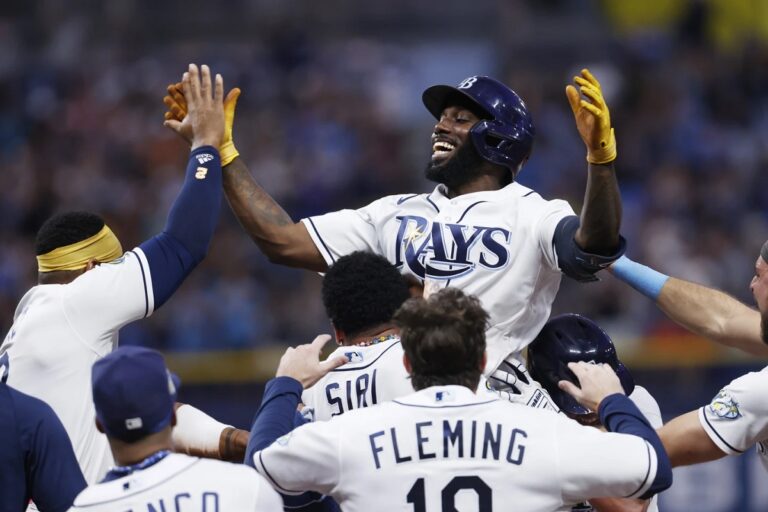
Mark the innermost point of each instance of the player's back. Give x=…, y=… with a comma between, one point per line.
x=447, y=448
x=374, y=374
x=58, y=332
x=180, y=482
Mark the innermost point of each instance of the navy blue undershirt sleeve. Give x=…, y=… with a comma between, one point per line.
x=620, y=414
x=53, y=476
x=276, y=417
x=573, y=261
x=184, y=242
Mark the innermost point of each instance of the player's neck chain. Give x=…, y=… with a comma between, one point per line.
x=121, y=471
x=378, y=339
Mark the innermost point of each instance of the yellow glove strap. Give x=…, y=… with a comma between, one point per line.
x=604, y=155
x=228, y=152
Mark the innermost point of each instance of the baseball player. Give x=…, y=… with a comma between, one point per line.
x=737, y=417
x=572, y=338
x=36, y=457
x=88, y=288
x=443, y=447
x=361, y=292
x=478, y=229
x=134, y=395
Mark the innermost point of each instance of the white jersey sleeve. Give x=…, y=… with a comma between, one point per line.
x=345, y=231
x=104, y=299
x=647, y=405
x=550, y=214
x=594, y=463
x=737, y=417
x=314, y=447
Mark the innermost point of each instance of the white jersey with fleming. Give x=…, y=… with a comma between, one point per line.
x=737, y=418
x=445, y=448
x=374, y=374
x=179, y=482
x=60, y=330
x=496, y=245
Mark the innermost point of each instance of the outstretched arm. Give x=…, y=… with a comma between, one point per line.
x=271, y=228
x=704, y=311
x=279, y=238
x=687, y=443
x=589, y=243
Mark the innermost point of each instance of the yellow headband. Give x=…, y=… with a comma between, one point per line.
x=102, y=247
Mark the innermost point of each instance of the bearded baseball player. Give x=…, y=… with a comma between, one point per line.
x=737, y=417
x=88, y=288
x=572, y=338
x=444, y=447
x=478, y=230
x=134, y=395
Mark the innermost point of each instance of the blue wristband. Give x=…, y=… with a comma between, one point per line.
x=644, y=279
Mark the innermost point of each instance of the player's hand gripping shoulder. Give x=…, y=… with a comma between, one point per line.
x=592, y=118
x=176, y=101
x=303, y=362
x=598, y=381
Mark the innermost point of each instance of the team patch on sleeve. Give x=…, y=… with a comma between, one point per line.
x=723, y=406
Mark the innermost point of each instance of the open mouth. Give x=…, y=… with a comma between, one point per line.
x=441, y=150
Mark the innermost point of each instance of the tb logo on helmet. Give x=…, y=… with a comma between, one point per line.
x=467, y=82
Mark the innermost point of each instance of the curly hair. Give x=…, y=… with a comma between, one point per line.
x=443, y=338
x=66, y=228
x=362, y=290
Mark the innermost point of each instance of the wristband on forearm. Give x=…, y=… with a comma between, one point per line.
x=196, y=433
x=644, y=279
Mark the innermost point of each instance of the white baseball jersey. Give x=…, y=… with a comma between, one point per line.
x=374, y=374
x=179, y=482
x=496, y=245
x=737, y=418
x=60, y=330
x=445, y=447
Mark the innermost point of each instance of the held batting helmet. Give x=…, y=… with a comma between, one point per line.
x=567, y=339
x=505, y=137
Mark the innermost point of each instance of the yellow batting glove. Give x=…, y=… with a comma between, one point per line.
x=177, y=109
x=592, y=118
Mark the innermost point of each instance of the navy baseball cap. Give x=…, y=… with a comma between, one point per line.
x=134, y=393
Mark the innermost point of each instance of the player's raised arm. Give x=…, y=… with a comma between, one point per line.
x=280, y=238
x=591, y=242
x=704, y=311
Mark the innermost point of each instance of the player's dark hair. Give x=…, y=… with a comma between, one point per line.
x=362, y=290
x=443, y=338
x=66, y=228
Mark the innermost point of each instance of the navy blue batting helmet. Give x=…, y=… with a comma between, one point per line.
x=571, y=338
x=506, y=137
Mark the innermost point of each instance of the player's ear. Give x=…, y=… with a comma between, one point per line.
x=99, y=427
x=92, y=263
x=340, y=336
x=407, y=364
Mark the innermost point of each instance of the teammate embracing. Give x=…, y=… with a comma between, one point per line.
x=444, y=447
x=478, y=230
x=88, y=288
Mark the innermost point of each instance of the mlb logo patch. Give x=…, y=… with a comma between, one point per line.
x=354, y=357
x=133, y=423
x=443, y=396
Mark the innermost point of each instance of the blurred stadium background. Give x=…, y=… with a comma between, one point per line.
x=331, y=117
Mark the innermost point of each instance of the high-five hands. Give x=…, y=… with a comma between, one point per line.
x=592, y=118
x=176, y=102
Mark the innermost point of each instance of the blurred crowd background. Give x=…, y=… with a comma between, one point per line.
x=331, y=117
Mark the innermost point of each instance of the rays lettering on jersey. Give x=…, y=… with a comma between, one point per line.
x=446, y=251
x=208, y=502
x=448, y=439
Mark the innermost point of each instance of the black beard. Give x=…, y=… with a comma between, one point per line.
x=461, y=168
